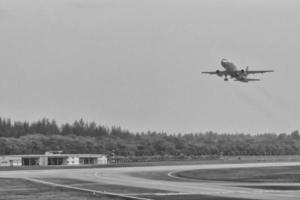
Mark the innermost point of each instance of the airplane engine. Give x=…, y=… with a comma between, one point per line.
x=244, y=72
x=218, y=73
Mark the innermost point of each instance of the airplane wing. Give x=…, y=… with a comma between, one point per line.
x=220, y=73
x=258, y=71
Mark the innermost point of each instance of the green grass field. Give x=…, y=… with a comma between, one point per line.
x=263, y=174
x=103, y=187
x=192, y=197
x=274, y=187
x=12, y=189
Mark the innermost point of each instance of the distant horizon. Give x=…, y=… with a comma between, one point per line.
x=60, y=124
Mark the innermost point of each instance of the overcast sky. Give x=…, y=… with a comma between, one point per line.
x=137, y=63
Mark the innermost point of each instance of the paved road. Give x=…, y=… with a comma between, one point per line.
x=122, y=176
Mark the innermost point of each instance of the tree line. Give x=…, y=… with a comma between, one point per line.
x=83, y=137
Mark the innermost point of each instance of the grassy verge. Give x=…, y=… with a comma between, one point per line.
x=225, y=159
x=192, y=197
x=131, y=164
x=274, y=187
x=121, y=189
x=263, y=174
x=12, y=189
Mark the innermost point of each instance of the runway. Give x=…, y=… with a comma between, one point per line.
x=172, y=185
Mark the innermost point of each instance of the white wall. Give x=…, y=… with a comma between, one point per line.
x=102, y=160
x=6, y=161
x=73, y=160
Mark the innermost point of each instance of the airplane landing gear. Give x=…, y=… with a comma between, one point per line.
x=225, y=79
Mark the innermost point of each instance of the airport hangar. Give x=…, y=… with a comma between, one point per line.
x=53, y=159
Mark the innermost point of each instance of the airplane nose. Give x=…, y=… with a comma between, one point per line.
x=224, y=60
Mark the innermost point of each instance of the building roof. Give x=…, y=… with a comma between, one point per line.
x=56, y=155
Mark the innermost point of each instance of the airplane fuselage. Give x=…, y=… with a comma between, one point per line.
x=232, y=71
x=229, y=67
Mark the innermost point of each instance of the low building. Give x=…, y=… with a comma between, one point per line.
x=10, y=161
x=51, y=158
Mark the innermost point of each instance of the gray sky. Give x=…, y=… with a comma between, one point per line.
x=138, y=63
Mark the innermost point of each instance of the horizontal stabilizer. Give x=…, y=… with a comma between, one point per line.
x=247, y=80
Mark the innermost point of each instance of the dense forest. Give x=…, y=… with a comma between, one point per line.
x=82, y=137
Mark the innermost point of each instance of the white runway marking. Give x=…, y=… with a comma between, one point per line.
x=86, y=190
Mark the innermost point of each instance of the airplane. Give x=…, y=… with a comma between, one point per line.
x=232, y=71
